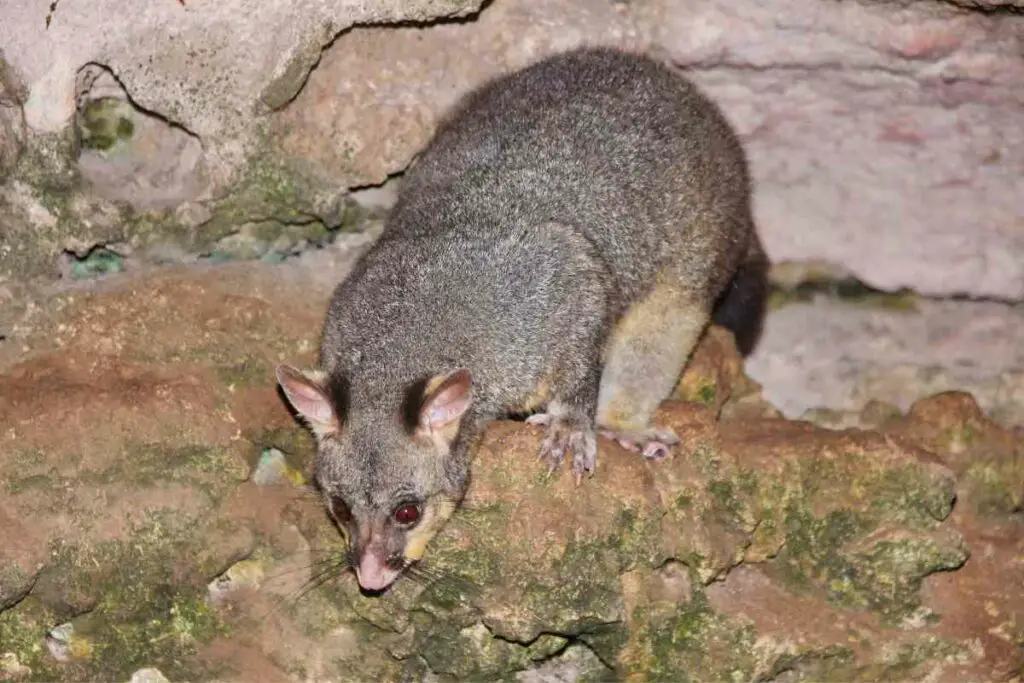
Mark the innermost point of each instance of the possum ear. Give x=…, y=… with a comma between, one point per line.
x=308, y=398
x=445, y=400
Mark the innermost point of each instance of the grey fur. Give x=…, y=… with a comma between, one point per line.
x=548, y=203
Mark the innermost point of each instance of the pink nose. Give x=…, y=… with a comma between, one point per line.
x=372, y=573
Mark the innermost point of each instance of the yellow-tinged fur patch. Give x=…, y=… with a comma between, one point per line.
x=540, y=396
x=436, y=513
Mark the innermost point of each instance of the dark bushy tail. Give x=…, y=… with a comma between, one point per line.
x=741, y=307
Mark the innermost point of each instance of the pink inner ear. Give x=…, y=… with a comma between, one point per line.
x=306, y=397
x=449, y=402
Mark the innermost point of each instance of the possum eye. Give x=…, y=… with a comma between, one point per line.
x=407, y=514
x=340, y=511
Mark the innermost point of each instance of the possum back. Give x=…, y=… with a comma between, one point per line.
x=616, y=145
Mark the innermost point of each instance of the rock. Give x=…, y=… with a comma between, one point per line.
x=128, y=155
x=239, y=576
x=846, y=144
x=762, y=545
x=179, y=123
x=576, y=663
x=64, y=644
x=843, y=354
x=21, y=557
x=207, y=68
x=357, y=122
x=273, y=468
x=714, y=369
x=148, y=675
x=12, y=668
x=989, y=458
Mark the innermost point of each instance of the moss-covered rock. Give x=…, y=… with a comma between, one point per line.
x=104, y=122
x=763, y=548
x=130, y=603
x=857, y=525
x=988, y=457
x=793, y=282
x=273, y=207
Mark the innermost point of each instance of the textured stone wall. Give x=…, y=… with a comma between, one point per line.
x=886, y=138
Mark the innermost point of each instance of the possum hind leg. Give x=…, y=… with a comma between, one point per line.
x=644, y=356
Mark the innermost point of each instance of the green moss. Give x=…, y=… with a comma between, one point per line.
x=845, y=289
x=105, y=122
x=843, y=499
x=572, y=595
x=707, y=394
x=23, y=630
x=994, y=486
x=473, y=653
x=683, y=501
x=690, y=642
x=707, y=459
x=636, y=537
x=165, y=634
x=956, y=438
x=904, y=661
x=746, y=481
x=888, y=575
x=248, y=372
x=134, y=602
x=33, y=482
x=24, y=458
x=813, y=548
x=268, y=189
x=150, y=464
x=47, y=166
x=722, y=493
x=283, y=199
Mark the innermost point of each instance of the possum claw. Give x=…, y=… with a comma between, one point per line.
x=655, y=450
x=539, y=419
x=653, y=444
x=568, y=435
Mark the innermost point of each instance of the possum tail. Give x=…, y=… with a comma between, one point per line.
x=741, y=307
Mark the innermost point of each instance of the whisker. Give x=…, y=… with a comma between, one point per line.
x=321, y=571
x=315, y=581
x=429, y=577
x=315, y=565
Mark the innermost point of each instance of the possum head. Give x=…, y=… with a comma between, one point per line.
x=391, y=475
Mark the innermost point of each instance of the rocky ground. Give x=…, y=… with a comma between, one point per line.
x=155, y=519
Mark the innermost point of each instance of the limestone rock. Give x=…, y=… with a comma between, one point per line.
x=843, y=354
x=208, y=67
x=130, y=156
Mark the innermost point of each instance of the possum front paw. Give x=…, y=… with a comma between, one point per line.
x=654, y=443
x=567, y=433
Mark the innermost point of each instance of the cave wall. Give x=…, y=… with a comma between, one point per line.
x=885, y=138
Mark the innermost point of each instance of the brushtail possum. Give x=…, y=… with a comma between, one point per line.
x=557, y=249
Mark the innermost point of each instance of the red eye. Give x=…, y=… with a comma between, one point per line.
x=406, y=514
